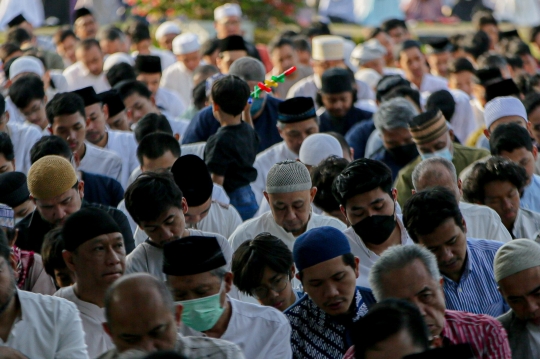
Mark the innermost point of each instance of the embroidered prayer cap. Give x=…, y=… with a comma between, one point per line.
x=13, y=189
x=336, y=80
x=86, y=224
x=50, y=176
x=185, y=44
x=296, y=109
x=232, y=43
x=368, y=51
x=80, y=12
x=193, y=178
x=319, y=245
x=318, y=147
x=438, y=46
x=7, y=216
x=26, y=64
x=167, y=28
x=227, y=10
x=113, y=101
x=16, y=21
x=89, y=95
x=192, y=255
x=516, y=256
x=428, y=126
x=117, y=58
x=502, y=107
x=327, y=48
x=502, y=88
x=288, y=176
x=147, y=64
x=488, y=76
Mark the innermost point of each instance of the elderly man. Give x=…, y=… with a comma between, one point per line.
x=192, y=263
x=328, y=271
x=150, y=325
x=482, y=222
x=369, y=57
x=367, y=200
x=517, y=272
x=504, y=109
x=88, y=70
x=85, y=24
x=290, y=193
x=166, y=33
x=94, y=251
x=14, y=193
x=411, y=273
x=433, y=219
x=433, y=138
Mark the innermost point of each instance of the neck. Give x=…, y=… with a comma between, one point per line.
x=90, y=293
x=417, y=81
x=457, y=275
x=103, y=142
x=82, y=151
x=393, y=240
x=221, y=326
x=8, y=316
x=228, y=120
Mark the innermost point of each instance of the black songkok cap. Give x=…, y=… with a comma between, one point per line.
x=192, y=255
x=148, y=64
x=505, y=87
x=81, y=12
x=16, y=21
x=510, y=35
x=296, y=109
x=89, y=96
x=192, y=176
x=113, y=101
x=487, y=76
x=13, y=189
x=336, y=80
x=438, y=46
x=231, y=43
x=86, y=224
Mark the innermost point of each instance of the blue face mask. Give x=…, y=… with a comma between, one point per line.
x=444, y=153
x=256, y=105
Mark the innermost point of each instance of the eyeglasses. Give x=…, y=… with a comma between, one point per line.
x=277, y=286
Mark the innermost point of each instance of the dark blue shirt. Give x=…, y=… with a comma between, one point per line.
x=343, y=125
x=358, y=136
x=204, y=125
x=388, y=160
x=102, y=189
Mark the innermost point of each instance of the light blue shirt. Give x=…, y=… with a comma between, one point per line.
x=531, y=195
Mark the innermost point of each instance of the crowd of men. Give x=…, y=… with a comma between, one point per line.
x=382, y=201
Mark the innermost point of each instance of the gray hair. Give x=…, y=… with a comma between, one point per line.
x=426, y=168
x=220, y=272
x=396, y=258
x=248, y=69
x=395, y=113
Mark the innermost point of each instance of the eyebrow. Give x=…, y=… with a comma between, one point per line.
x=375, y=201
x=425, y=289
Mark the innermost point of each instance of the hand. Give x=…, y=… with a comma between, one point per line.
x=9, y=353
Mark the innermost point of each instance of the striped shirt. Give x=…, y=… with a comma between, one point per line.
x=485, y=334
x=476, y=292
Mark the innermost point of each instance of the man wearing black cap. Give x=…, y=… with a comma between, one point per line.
x=192, y=263
x=117, y=119
x=337, y=98
x=439, y=56
x=141, y=42
x=14, y=192
x=42, y=42
x=94, y=251
x=85, y=24
x=231, y=49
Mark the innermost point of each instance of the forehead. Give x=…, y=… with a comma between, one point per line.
x=498, y=188
x=408, y=281
x=57, y=199
x=68, y=120
x=324, y=269
x=521, y=283
x=135, y=97
x=364, y=199
x=96, y=107
x=443, y=233
x=508, y=119
x=301, y=125
x=104, y=238
x=289, y=197
x=411, y=52
x=162, y=217
x=234, y=54
x=336, y=95
x=188, y=282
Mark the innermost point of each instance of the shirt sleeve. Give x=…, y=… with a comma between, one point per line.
x=71, y=343
x=496, y=340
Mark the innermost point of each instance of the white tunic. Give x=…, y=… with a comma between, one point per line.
x=179, y=79
x=527, y=225
x=48, y=327
x=148, y=258
x=266, y=223
x=196, y=149
x=124, y=145
x=463, y=121
x=167, y=58
x=264, y=161
x=483, y=223
x=23, y=138
x=432, y=83
x=170, y=102
x=261, y=332
x=78, y=77
x=92, y=317
x=100, y=161
x=15, y=116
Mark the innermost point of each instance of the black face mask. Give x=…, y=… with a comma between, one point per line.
x=404, y=154
x=375, y=229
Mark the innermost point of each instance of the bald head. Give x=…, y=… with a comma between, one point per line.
x=436, y=171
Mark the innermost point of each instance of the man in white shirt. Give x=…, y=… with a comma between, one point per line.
x=141, y=41
x=88, y=70
x=165, y=34
x=289, y=192
x=192, y=263
x=179, y=76
x=28, y=94
x=296, y=120
x=94, y=251
x=368, y=201
x=66, y=114
x=157, y=206
x=482, y=222
x=33, y=325
x=85, y=24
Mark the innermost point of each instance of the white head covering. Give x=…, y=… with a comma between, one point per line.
x=26, y=64
x=369, y=76
x=185, y=44
x=318, y=147
x=227, y=10
x=117, y=58
x=288, y=176
x=501, y=107
x=368, y=51
x=516, y=256
x=327, y=47
x=167, y=28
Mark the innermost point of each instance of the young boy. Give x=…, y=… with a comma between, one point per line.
x=230, y=152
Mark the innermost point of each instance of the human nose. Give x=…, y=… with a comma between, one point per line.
x=446, y=254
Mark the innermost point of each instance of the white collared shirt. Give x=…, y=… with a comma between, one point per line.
x=124, y=145
x=92, y=317
x=432, y=83
x=101, y=161
x=23, y=137
x=48, y=327
x=483, y=223
x=170, y=102
x=179, y=78
x=78, y=77
x=527, y=225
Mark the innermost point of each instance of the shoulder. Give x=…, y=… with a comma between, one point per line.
x=72, y=69
x=45, y=305
x=458, y=318
x=301, y=306
x=408, y=169
x=471, y=152
x=506, y=318
x=204, y=115
x=249, y=229
x=358, y=112
x=484, y=245
x=101, y=153
x=320, y=221
x=258, y=312
x=66, y=293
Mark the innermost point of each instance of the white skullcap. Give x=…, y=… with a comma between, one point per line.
x=516, y=256
x=185, y=44
x=501, y=107
x=117, y=58
x=26, y=64
x=369, y=76
x=288, y=176
x=227, y=10
x=318, y=147
x=327, y=48
x=167, y=28
x=368, y=51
